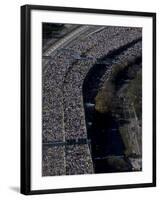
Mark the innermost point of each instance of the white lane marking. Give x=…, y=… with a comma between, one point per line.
x=65, y=39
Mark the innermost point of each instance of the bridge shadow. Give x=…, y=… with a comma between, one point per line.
x=107, y=147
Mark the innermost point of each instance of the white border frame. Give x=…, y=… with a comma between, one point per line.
x=41, y=183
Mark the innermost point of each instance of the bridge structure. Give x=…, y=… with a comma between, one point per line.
x=66, y=146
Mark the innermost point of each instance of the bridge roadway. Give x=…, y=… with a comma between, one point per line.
x=58, y=164
x=73, y=156
x=82, y=31
x=70, y=37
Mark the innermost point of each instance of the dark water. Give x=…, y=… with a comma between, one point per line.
x=107, y=147
x=105, y=135
x=106, y=142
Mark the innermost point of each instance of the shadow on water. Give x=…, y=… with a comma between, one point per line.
x=105, y=136
x=107, y=147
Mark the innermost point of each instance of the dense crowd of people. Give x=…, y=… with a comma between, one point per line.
x=63, y=114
